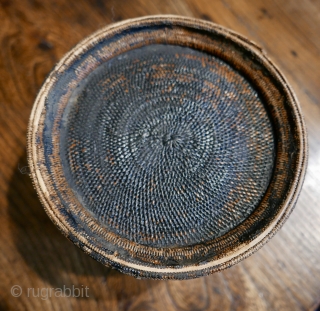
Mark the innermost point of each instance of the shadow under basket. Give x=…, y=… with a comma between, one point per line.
x=167, y=147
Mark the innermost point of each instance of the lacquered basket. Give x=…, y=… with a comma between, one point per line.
x=167, y=147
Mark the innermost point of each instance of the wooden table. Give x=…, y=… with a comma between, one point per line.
x=283, y=275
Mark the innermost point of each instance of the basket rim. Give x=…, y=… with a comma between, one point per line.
x=233, y=257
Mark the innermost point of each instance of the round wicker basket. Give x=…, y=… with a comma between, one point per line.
x=167, y=147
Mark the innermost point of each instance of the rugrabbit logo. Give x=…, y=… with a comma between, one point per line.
x=47, y=292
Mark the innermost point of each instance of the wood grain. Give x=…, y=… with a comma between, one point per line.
x=283, y=275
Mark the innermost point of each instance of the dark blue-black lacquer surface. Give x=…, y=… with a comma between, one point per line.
x=167, y=146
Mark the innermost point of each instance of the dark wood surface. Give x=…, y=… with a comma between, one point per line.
x=283, y=275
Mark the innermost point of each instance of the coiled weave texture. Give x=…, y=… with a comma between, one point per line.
x=168, y=146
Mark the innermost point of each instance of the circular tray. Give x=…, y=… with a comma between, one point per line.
x=167, y=147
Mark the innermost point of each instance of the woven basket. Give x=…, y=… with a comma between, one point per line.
x=167, y=147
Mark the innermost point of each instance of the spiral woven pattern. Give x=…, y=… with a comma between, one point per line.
x=168, y=146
